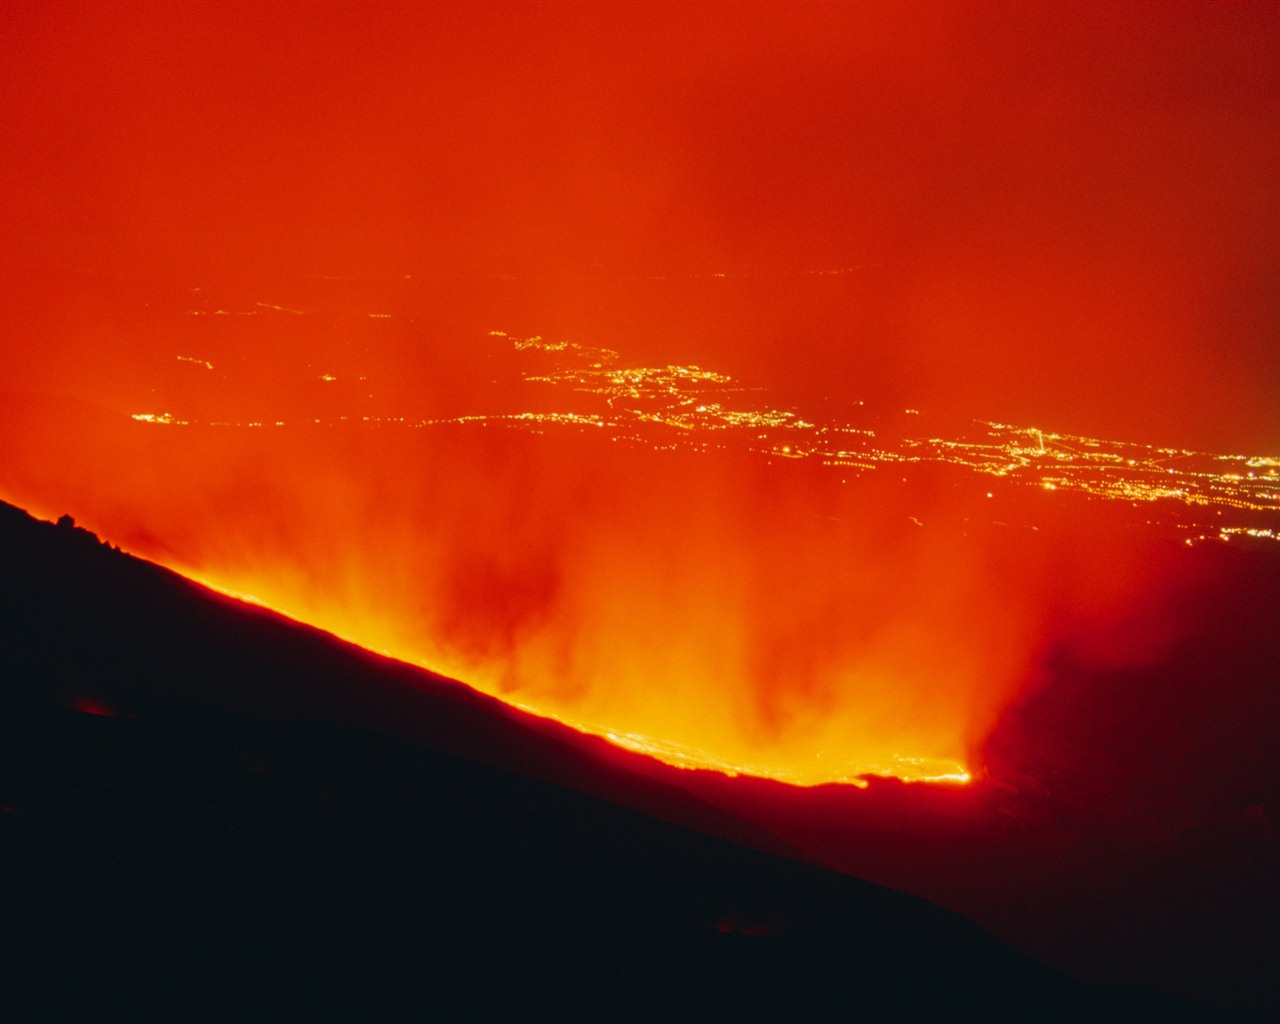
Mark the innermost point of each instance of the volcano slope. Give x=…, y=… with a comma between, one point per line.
x=210, y=812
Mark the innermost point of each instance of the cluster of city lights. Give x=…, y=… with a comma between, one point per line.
x=1222, y=497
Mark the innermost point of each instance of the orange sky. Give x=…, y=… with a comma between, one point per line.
x=1066, y=213
x=1055, y=216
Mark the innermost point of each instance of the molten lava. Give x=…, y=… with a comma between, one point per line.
x=531, y=342
x=663, y=556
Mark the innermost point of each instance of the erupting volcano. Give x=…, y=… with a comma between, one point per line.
x=871, y=409
x=662, y=555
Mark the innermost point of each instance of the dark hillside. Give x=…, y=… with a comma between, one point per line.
x=175, y=857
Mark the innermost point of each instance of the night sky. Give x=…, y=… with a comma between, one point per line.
x=1060, y=214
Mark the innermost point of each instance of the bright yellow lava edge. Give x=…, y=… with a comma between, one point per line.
x=904, y=768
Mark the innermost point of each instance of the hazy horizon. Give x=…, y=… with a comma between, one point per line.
x=1056, y=214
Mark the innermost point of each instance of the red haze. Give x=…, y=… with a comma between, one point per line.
x=1054, y=215
x=1067, y=212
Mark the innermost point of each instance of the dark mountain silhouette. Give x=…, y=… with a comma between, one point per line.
x=1126, y=827
x=212, y=813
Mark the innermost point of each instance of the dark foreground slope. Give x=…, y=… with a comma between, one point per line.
x=1126, y=824
x=183, y=841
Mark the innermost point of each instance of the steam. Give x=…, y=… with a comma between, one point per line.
x=768, y=616
x=1061, y=216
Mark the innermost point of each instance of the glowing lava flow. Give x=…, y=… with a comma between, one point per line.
x=654, y=554
x=907, y=769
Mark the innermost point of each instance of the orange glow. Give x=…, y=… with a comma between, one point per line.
x=660, y=556
x=763, y=387
x=88, y=705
